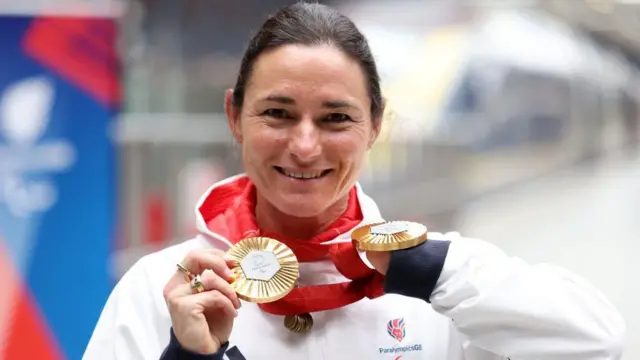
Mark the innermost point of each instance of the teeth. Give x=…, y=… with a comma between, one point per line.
x=296, y=175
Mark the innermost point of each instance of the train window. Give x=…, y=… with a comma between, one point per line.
x=528, y=108
x=466, y=98
x=464, y=117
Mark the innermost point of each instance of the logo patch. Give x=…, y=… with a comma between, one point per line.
x=396, y=328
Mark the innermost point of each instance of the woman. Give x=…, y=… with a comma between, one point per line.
x=306, y=108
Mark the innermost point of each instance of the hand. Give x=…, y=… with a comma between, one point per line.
x=379, y=260
x=202, y=322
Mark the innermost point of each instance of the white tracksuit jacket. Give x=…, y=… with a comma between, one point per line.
x=485, y=305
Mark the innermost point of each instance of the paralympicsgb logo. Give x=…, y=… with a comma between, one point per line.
x=26, y=162
x=396, y=329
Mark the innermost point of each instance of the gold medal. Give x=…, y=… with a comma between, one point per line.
x=389, y=236
x=265, y=269
x=298, y=323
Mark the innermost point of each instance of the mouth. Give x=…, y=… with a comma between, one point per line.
x=303, y=175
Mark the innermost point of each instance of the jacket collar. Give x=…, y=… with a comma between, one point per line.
x=223, y=193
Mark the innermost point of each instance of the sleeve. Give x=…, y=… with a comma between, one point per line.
x=130, y=325
x=506, y=306
x=174, y=351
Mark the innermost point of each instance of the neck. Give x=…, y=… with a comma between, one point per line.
x=272, y=220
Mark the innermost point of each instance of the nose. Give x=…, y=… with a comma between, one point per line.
x=304, y=144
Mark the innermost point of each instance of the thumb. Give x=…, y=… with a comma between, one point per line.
x=380, y=260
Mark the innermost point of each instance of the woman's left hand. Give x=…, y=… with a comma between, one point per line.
x=379, y=260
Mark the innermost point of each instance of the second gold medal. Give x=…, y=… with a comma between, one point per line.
x=389, y=236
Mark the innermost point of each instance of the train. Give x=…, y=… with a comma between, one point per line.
x=504, y=96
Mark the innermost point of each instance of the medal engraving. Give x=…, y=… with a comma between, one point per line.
x=260, y=265
x=265, y=269
x=391, y=228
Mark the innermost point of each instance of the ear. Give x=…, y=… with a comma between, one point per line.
x=233, y=116
x=377, y=126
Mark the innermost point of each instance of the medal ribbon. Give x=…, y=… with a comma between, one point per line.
x=239, y=222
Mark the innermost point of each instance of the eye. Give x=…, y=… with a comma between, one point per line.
x=276, y=113
x=338, y=118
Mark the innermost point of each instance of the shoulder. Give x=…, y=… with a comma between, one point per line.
x=465, y=244
x=173, y=253
x=144, y=281
x=135, y=318
x=156, y=268
x=139, y=291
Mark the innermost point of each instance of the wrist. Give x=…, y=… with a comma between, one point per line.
x=215, y=350
x=415, y=272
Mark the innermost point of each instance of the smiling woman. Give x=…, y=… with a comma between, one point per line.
x=304, y=125
x=305, y=110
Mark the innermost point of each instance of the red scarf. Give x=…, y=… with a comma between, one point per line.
x=229, y=210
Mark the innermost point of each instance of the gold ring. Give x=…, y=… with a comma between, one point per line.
x=196, y=285
x=187, y=274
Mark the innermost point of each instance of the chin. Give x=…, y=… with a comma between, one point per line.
x=301, y=206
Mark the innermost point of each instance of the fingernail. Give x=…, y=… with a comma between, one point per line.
x=229, y=274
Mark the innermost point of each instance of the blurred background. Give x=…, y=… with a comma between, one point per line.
x=513, y=121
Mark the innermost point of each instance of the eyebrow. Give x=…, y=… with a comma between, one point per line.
x=333, y=104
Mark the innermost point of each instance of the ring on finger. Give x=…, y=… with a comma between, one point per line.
x=187, y=274
x=196, y=285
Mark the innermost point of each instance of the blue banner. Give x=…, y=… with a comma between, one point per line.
x=59, y=95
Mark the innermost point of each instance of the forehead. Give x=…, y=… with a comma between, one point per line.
x=321, y=71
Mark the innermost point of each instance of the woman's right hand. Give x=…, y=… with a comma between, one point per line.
x=202, y=322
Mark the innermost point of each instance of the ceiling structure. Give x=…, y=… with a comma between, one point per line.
x=613, y=21
x=610, y=21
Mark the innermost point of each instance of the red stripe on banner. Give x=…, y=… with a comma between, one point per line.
x=10, y=285
x=156, y=220
x=29, y=336
x=81, y=51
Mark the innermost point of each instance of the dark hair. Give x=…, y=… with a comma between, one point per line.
x=311, y=24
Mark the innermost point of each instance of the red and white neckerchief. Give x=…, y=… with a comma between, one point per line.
x=229, y=210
